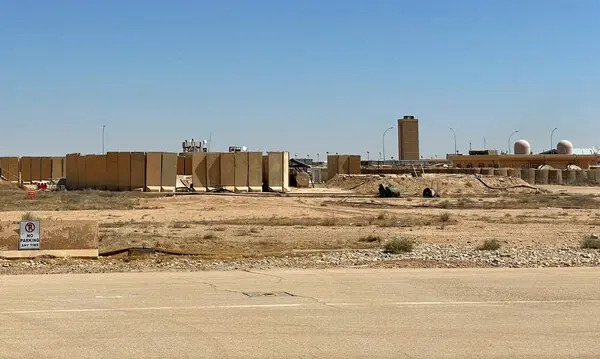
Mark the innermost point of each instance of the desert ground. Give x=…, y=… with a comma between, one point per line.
x=341, y=224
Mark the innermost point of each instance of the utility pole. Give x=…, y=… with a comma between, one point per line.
x=383, y=142
x=103, y=127
x=512, y=133
x=552, y=138
x=454, y=133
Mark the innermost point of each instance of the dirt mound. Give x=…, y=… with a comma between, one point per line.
x=445, y=184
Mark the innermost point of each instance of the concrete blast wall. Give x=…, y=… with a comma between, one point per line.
x=501, y=172
x=153, y=171
x=555, y=177
x=45, y=168
x=255, y=172
x=343, y=164
x=528, y=175
x=36, y=169
x=9, y=168
x=168, y=177
x=241, y=172
x=112, y=171
x=541, y=177
x=138, y=171
x=227, y=166
x=277, y=170
x=199, y=178
x=58, y=167
x=213, y=170
x=72, y=171
x=26, y=169
x=124, y=171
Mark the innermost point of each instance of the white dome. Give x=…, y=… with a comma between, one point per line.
x=564, y=147
x=522, y=147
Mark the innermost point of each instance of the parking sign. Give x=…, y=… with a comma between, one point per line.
x=29, y=235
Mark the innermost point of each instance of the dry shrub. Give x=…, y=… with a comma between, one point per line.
x=398, y=245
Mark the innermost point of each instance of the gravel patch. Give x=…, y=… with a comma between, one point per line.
x=424, y=255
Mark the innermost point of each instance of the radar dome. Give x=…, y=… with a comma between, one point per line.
x=564, y=147
x=522, y=147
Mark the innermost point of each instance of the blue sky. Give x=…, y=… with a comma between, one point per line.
x=303, y=76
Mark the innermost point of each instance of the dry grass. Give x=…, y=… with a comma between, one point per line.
x=15, y=199
x=489, y=245
x=590, y=243
x=370, y=238
x=398, y=245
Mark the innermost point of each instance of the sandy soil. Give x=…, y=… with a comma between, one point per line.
x=233, y=226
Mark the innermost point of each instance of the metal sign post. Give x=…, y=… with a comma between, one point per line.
x=29, y=235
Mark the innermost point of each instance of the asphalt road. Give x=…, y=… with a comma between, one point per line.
x=349, y=313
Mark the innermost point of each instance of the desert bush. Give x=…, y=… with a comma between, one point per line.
x=370, y=238
x=210, y=236
x=445, y=217
x=444, y=204
x=590, y=242
x=489, y=245
x=28, y=217
x=398, y=245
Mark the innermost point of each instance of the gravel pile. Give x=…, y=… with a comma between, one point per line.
x=423, y=256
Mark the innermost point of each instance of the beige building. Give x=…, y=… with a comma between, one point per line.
x=408, y=138
x=524, y=161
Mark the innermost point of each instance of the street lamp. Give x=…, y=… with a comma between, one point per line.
x=368, y=158
x=552, y=138
x=509, y=137
x=383, y=142
x=454, y=133
x=103, y=127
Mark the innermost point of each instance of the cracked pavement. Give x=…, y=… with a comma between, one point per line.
x=341, y=313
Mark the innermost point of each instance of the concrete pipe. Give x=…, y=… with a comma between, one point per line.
x=555, y=177
x=514, y=172
x=487, y=171
x=541, y=176
x=581, y=177
x=528, y=175
x=501, y=172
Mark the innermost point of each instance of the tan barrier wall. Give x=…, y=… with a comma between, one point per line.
x=199, y=178
x=26, y=169
x=138, y=171
x=36, y=169
x=255, y=175
x=124, y=170
x=153, y=171
x=58, y=167
x=213, y=170
x=343, y=164
x=81, y=162
x=227, y=161
x=46, y=168
x=188, y=168
x=168, y=178
x=241, y=172
x=72, y=172
x=9, y=168
x=112, y=171
x=332, y=165
x=180, y=165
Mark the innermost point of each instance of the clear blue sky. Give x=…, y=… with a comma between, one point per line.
x=302, y=76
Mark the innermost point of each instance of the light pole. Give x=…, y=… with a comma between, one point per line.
x=368, y=158
x=509, y=137
x=383, y=142
x=103, y=127
x=454, y=133
x=552, y=138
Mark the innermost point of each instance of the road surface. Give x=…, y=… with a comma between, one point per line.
x=342, y=313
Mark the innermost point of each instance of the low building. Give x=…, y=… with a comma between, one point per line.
x=557, y=161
